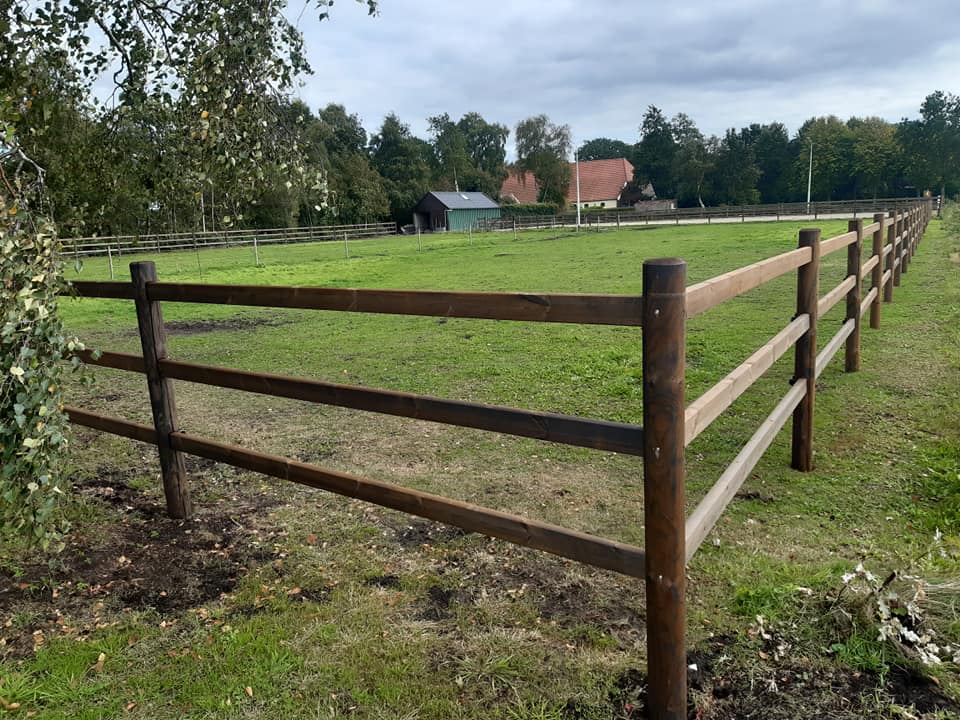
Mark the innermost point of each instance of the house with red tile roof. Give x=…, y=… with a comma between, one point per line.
x=520, y=189
x=601, y=184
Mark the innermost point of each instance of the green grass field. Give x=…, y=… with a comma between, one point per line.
x=287, y=602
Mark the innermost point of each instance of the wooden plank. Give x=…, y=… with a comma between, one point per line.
x=832, y=347
x=664, y=470
x=97, y=289
x=705, y=409
x=873, y=227
x=565, y=308
x=551, y=427
x=868, y=301
x=869, y=265
x=582, y=547
x=709, y=510
x=112, y=425
x=836, y=295
x=116, y=360
x=710, y=293
x=153, y=340
x=838, y=242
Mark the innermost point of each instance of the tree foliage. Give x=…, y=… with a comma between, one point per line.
x=604, y=149
x=201, y=87
x=403, y=162
x=542, y=149
x=933, y=142
x=655, y=152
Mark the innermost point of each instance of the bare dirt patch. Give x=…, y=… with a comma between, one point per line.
x=722, y=688
x=135, y=559
x=197, y=327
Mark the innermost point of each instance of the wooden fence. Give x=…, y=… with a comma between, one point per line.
x=117, y=245
x=671, y=537
x=595, y=218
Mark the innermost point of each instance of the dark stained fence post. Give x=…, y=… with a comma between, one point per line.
x=808, y=287
x=153, y=338
x=664, y=365
x=910, y=234
x=898, y=237
x=854, y=253
x=888, y=284
x=876, y=276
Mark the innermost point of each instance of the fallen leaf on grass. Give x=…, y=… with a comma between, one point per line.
x=249, y=691
x=8, y=705
x=98, y=665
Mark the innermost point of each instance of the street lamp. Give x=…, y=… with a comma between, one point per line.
x=576, y=157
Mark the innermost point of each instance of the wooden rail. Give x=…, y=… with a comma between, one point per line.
x=168, y=242
x=540, y=307
x=593, y=218
x=671, y=539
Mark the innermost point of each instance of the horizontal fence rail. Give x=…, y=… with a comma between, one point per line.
x=563, y=308
x=672, y=538
x=168, y=242
x=594, y=218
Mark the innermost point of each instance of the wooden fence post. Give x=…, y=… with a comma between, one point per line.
x=900, y=225
x=153, y=339
x=891, y=235
x=664, y=348
x=854, y=254
x=907, y=242
x=876, y=277
x=808, y=287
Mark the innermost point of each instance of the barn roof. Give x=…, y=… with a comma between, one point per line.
x=599, y=180
x=523, y=189
x=464, y=200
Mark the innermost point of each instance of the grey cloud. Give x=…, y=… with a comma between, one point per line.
x=596, y=66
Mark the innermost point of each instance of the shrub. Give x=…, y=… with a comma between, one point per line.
x=33, y=348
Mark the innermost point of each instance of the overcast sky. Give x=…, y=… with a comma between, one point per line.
x=597, y=65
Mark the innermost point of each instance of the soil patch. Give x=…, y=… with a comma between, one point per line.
x=793, y=687
x=418, y=532
x=197, y=327
x=138, y=559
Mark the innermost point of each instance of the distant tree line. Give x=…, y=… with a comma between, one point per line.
x=125, y=175
x=860, y=158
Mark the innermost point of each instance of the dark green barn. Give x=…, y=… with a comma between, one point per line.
x=453, y=210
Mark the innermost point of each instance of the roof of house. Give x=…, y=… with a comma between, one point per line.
x=464, y=200
x=599, y=180
x=523, y=189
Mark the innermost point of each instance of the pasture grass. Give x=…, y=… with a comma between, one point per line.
x=338, y=609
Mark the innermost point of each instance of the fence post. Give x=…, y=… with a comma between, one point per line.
x=898, y=247
x=806, y=352
x=891, y=235
x=153, y=339
x=876, y=275
x=907, y=242
x=664, y=347
x=854, y=260
x=110, y=258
